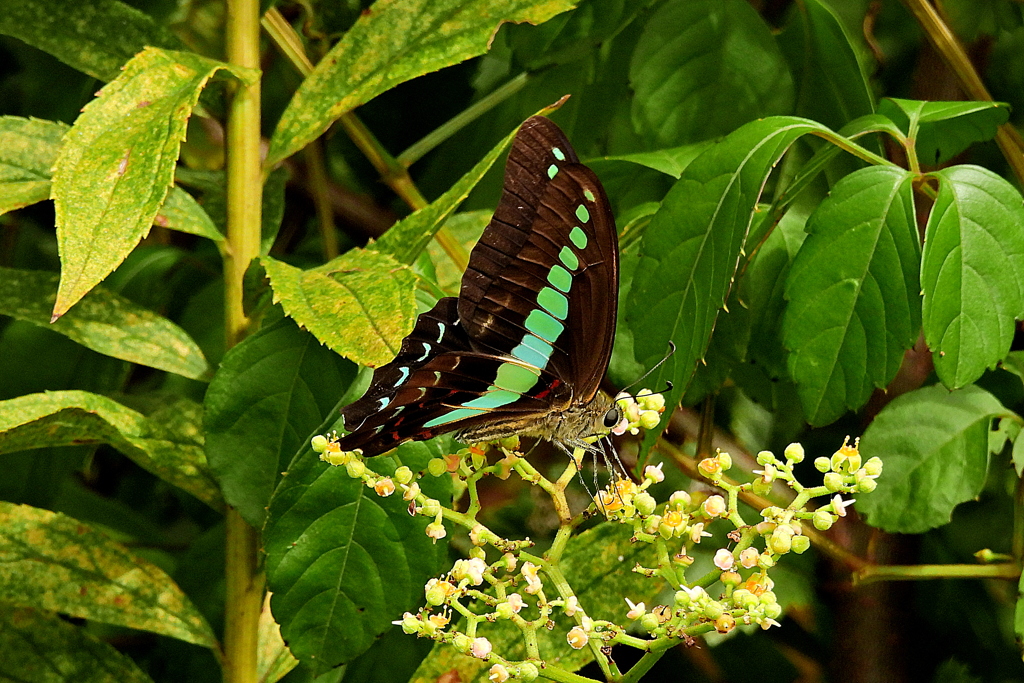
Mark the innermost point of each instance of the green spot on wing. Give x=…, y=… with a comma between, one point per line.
x=582, y=213
x=589, y=195
x=552, y=171
x=514, y=377
x=453, y=416
x=553, y=302
x=560, y=278
x=493, y=398
x=558, y=153
x=567, y=257
x=544, y=326
x=578, y=237
x=534, y=351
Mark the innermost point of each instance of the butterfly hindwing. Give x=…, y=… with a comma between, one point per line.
x=531, y=332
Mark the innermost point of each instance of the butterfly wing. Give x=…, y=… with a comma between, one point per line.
x=532, y=329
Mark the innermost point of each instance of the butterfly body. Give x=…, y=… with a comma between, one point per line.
x=523, y=348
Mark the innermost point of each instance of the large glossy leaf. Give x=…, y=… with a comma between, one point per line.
x=269, y=395
x=830, y=85
x=104, y=322
x=704, y=67
x=27, y=150
x=944, y=129
x=972, y=272
x=393, y=42
x=360, y=304
x=93, y=36
x=935, y=448
x=117, y=164
x=689, y=252
x=169, y=446
x=854, y=302
x=41, y=646
x=342, y=562
x=53, y=562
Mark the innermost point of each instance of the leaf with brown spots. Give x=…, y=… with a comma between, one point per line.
x=52, y=562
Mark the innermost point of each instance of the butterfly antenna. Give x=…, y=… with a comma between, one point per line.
x=671, y=352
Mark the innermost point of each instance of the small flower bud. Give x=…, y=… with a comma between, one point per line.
x=713, y=609
x=725, y=623
x=765, y=561
x=873, y=466
x=781, y=539
x=527, y=671
x=794, y=453
x=319, y=443
x=822, y=520
x=437, y=592
x=403, y=475
x=724, y=461
x=649, y=622
x=652, y=524
x=435, y=531
x=355, y=468
x=437, y=466
x=715, y=506
x=480, y=648
x=773, y=610
x=635, y=611
x=800, y=544
x=462, y=643
x=730, y=578
x=654, y=473
x=679, y=499
x=572, y=605
x=822, y=464
x=649, y=419
x=645, y=503
x=431, y=507
x=765, y=458
x=410, y=623
x=498, y=674
x=833, y=482
x=867, y=486
x=577, y=638
x=510, y=562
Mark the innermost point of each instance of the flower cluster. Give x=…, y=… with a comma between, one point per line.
x=642, y=411
x=529, y=591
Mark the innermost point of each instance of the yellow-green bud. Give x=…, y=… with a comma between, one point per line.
x=725, y=460
x=822, y=464
x=781, y=539
x=741, y=597
x=765, y=561
x=403, y=475
x=867, y=486
x=437, y=466
x=431, y=506
x=649, y=622
x=873, y=466
x=760, y=487
x=355, y=468
x=462, y=643
x=319, y=443
x=765, y=458
x=505, y=610
x=649, y=419
x=437, y=594
x=644, y=503
x=853, y=462
x=833, y=482
x=682, y=599
x=528, y=672
x=822, y=520
x=769, y=598
x=652, y=523
x=794, y=452
x=713, y=609
x=773, y=611
x=800, y=544
x=478, y=552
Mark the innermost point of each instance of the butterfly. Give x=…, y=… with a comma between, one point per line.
x=523, y=348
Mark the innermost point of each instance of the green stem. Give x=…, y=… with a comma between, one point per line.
x=872, y=573
x=244, y=577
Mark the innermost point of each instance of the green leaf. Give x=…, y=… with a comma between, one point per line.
x=972, y=272
x=689, y=252
x=28, y=148
x=104, y=322
x=40, y=646
x=702, y=68
x=169, y=445
x=181, y=212
x=342, y=562
x=831, y=87
x=395, y=41
x=93, y=36
x=53, y=562
x=853, y=291
x=944, y=129
x=117, y=163
x=271, y=393
x=360, y=304
x=669, y=161
x=934, y=447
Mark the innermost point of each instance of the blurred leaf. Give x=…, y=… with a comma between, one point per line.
x=853, y=291
x=393, y=42
x=972, y=272
x=703, y=68
x=117, y=163
x=171, y=451
x=274, y=659
x=342, y=562
x=831, y=87
x=93, y=36
x=104, y=322
x=669, y=161
x=272, y=391
x=40, y=646
x=726, y=349
x=934, y=447
x=360, y=304
x=182, y=213
x=27, y=150
x=466, y=227
x=52, y=562
x=689, y=252
x=944, y=129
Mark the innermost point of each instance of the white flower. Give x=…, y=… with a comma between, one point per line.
x=654, y=473
x=724, y=559
x=635, y=611
x=533, y=584
x=480, y=648
x=839, y=505
x=516, y=600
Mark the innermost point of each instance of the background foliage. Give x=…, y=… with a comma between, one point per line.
x=831, y=254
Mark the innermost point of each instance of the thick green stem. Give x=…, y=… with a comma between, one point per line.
x=244, y=587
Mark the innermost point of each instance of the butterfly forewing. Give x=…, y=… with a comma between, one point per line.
x=532, y=329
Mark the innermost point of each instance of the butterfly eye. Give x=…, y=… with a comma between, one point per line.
x=612, y=417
